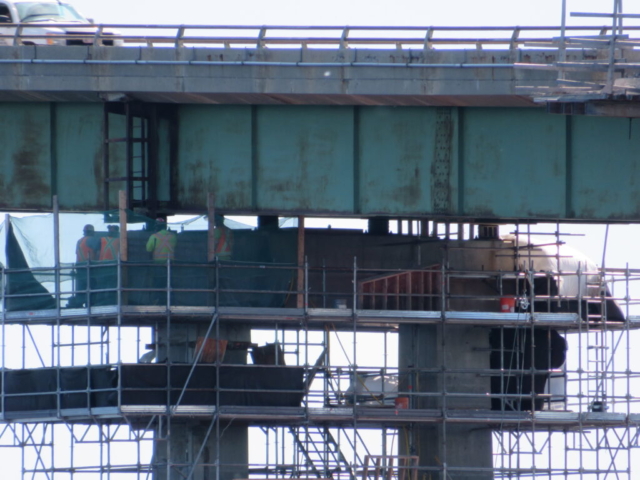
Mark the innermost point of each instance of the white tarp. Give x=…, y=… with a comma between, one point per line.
x=563, y=261
x=372, y=389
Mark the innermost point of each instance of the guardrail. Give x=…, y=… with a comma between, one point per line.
x=285, y=36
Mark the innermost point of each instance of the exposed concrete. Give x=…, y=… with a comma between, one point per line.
x=177, y=448
x=179, y=443
x=275, y=76
x=458, y=446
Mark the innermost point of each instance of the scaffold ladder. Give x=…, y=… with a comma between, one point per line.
x=321, y=452
x=597, y=349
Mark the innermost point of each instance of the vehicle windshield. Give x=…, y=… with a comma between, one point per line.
x=43, y=11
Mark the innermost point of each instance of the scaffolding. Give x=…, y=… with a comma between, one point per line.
x=103, y=390
x=607, y=74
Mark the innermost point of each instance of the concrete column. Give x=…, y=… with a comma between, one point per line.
x=179, y=440
x=424, y=350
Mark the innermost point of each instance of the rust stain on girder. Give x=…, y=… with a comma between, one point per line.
x=98, y=174
x=28, y=184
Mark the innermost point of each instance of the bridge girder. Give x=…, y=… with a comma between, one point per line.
x=432, y=162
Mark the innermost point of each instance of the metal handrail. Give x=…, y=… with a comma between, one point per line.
x=302, y=36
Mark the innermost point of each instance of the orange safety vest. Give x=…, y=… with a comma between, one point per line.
x=84, y=253
x=109, y=248
x=164, y=245
x=224, y=239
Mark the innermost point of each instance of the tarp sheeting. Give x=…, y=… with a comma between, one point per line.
x=372, y=389
x=96, y=386
x=562, y=263
x=511, y=354
x=35, y=389
x=36, y=296
x=240, y=385
x=535, y=255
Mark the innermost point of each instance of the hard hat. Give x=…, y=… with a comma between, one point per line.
x=88, y=228
x=161, y=224
x=113, y=228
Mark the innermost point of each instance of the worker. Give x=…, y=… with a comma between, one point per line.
x=162, y=245
x=88, y=247
x=223, y=238
x=110, y=245
x=87, y=251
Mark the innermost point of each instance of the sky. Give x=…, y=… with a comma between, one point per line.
x=337, y=12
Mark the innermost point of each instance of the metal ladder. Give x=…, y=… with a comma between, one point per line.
x=139, y=130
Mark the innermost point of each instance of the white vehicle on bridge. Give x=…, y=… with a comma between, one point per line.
x=48, y=22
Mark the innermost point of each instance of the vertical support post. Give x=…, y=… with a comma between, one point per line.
x=56, y=263
x=105, y=155
x=563, y=45
x=129, y=151
x=324, y=284
x=124, y=253
x=150, y=184
x=211, y=232
x=306, y=295
x=617, y=7
x=4, y=320
x=424, y=227
x=119, y=300
x=124, y=247
x=301, y=286
x=56, y=248
x=354, y=363
x=217, y=338
x=168, y=285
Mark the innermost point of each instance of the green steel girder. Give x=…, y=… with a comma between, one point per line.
x=458, y=163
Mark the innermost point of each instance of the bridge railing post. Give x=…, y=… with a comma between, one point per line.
x=179, y=37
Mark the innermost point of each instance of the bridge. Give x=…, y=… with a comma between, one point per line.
x=283, y=119
x=440, y=125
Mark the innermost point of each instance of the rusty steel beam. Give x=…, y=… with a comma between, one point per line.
x=448, y=164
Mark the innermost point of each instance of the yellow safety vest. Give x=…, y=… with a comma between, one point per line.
x=163, y=245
